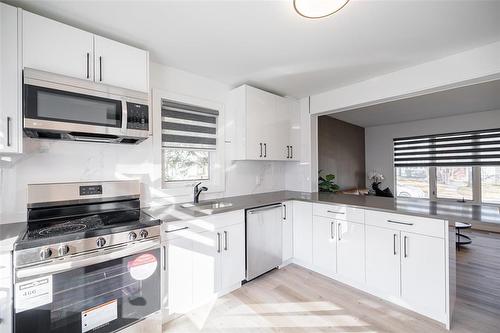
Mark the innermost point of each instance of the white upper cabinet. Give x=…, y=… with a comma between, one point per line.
x=262, y=126
x=120, y=65
x=59, y=48
x=10, y=81
x=55, y=47
x=259, y=112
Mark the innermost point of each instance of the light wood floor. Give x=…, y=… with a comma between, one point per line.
x=294, y=300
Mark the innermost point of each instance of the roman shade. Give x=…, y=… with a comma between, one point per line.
x=451, y=149
x=188, y=126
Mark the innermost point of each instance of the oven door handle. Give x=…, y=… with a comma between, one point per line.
x=95, y=257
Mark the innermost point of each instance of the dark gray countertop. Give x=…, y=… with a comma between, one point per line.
x=482, y=217
x=488, y=217
x=9, y=233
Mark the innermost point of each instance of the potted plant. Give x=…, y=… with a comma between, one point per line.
x=327, y=184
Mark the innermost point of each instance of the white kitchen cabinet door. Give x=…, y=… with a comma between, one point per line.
x=121, y=65
x=260, y=109
x=180, y=275
x=294, y=129
x=279, y=125
x=55, y=47
x=324, y=244
x=10, y=82
x=206, y=266
x=383, y=260
x=423, y=285
x=351, y=250
x=233, y=255
x=302, y=232
x=287, y=231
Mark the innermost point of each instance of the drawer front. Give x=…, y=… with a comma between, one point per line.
x=339, y=212
x=408, y=223
x=172, y=230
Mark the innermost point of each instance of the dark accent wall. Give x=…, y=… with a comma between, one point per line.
x=341, y=151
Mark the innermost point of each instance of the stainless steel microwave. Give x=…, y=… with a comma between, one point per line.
x=65, y=108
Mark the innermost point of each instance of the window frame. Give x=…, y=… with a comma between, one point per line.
x=216, y=181
x=476, y=188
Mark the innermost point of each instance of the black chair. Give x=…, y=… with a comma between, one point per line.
x=462, y=239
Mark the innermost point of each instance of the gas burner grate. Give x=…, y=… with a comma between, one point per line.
x=62, y=228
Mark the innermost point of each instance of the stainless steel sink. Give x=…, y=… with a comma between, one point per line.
x=207, y=205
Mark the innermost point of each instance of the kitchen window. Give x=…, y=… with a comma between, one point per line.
x=184, y=165
x=191, y=146
x=454, y=166
x=413, y=182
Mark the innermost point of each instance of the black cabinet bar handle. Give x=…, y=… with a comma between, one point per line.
x=218, y=242
x=284, y=212
x=164, y=258
x=225, y=240
x=100, y=68
x=405, y=246
x=88, y=65
x=287, y=151
x=265, y=149
x=8, y=131
x=291, y=151
x=260, y=149
x=394, y=243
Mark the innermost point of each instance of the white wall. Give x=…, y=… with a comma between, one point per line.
x=379, y=145
x=59, y=161
x=468, y=67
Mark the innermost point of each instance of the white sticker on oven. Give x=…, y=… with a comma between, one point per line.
x=33, y=293
x=143, y=266
x=99, y=315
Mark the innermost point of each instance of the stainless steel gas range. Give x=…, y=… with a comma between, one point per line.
x=89, y=261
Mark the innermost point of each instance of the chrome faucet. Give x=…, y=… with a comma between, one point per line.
x=197, y=191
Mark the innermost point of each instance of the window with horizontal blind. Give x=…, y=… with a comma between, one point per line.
x=453, y=166
x=452, y=149
x=188, y=126
x=189, y=138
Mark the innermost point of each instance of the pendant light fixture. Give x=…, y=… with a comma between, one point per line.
x=314, y=9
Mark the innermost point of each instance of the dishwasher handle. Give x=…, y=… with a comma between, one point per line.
x=260, y=209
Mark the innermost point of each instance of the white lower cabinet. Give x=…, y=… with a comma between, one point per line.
x=383, y=260
x=202, y=265
x=287, y=231
x=408, y=267
x=233, y=256
x=325, y=244
x=206, y=266
x=423, y=276
x=302, y=232
x=351, y=250
x=180, y=275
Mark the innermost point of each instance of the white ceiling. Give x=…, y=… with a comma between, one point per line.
x=267, y=44
x=469, y=99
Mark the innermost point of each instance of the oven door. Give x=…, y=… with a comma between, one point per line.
x=96, y=293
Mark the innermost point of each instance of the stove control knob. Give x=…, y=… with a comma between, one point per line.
x=100, y=242
x=63, y=250
x=45, y=253
x=143, y=233
x=132, y=236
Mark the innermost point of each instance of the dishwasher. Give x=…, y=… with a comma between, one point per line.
x=263, y=240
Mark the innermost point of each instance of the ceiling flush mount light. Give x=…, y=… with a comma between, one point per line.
x=314, y=9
